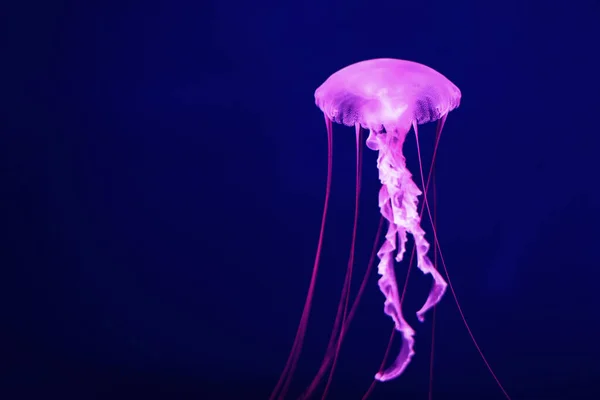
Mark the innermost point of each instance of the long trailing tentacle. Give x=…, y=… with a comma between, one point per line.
x=328, y=358
x=439, y=249
x=290, y=366
x=435, y=249
x=346, y=296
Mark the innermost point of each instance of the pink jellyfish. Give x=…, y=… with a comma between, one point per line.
x=386, y=97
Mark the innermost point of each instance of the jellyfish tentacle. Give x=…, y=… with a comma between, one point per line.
x=344, y=299
x=328, y=358
x=280, y=389
x=425, y=206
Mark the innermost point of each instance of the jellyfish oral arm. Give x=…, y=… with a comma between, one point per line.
x=389, y=288
x=398, y=201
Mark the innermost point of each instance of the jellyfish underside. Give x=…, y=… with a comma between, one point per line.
x=387, y=97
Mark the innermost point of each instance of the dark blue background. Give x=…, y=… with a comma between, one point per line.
x=163, y=172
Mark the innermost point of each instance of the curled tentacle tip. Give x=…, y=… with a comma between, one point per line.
x=420, y=317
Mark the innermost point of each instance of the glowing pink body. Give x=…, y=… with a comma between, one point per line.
x=386, y=97
x=390, y=96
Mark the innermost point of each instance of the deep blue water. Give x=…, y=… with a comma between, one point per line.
x=163, y=171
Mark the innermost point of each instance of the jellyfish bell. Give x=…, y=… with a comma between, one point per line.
x=385, y=90
x=387, y=97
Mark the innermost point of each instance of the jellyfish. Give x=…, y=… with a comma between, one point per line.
x=386, y=97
